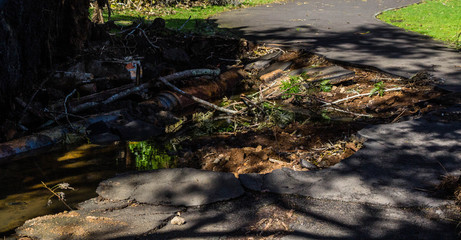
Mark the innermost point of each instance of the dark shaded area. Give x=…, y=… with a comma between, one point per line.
x=348, y=31
x=35, y=35
x=311, y=219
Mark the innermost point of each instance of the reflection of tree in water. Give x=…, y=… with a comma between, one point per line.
x=150, y=155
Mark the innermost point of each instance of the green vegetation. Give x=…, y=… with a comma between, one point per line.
x=149, y=155
x=175, y=16
x=292, y=87
x=378, y=88
x=277, y=115
x=440, y=19
x=205, y=124
x=325, y=86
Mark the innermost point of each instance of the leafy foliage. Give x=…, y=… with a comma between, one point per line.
x=379, y=88
x=291, y=87
x=277, y=115
x=325, y=86
x=149, y=155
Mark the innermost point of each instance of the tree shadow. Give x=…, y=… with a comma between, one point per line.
x=364, y=40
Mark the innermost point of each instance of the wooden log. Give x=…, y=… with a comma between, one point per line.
x=47, y=138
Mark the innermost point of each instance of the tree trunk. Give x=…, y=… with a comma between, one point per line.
x=35, y=35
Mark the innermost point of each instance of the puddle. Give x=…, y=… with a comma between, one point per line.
x=22, y=195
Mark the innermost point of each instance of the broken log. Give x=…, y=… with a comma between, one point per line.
x=226, y=82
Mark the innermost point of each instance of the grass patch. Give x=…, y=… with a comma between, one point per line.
x=440, y=19
x=176, y=16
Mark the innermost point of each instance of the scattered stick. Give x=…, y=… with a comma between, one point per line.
x=65, y=107
x=126, y=93
x=59, y=195
x=245, y=100
x=191, y=73
x=399, y=116
x=148, y=40
x=360, y=95
x=349, y=112
x=30, y=101
x=31, y=109
x=277, y=161
x=184, y=24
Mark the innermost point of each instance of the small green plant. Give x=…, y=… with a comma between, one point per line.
x=379, y=88
x=325, y=86
x=292, y=87
x=61, y=196
x=277, y=115
x=225, y=102
x=325, y=116
x=205, y=124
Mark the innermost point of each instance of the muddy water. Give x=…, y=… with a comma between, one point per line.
x=22, y=195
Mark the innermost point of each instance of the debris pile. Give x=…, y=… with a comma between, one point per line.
x=225, y=104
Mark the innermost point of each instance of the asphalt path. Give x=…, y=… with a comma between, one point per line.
x=348, y=30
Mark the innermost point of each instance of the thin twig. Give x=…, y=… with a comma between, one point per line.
x=30, y=101
x=148, y=40
x=184, y=24
x=65, y=107
x=245, y=99
x=349, y=112
x=59, y=197
x=360, y=95
x=277, y=161
x=399, y=116
x=134, y=29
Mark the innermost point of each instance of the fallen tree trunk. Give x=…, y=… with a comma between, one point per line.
x=47, y=138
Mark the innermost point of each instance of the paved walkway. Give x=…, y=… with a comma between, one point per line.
x=347, y=30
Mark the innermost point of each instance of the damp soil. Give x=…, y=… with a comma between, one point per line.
x=322, y=139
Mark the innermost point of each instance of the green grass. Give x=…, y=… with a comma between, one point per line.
x=440, y=19
x=175, y=17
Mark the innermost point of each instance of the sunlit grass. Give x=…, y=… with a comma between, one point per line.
x=440, y=19
x=175, y=17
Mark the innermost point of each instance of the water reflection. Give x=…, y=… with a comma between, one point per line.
x=150, y=155
x=22, y=195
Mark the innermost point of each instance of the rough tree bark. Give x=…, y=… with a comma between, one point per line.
x=35, y=35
